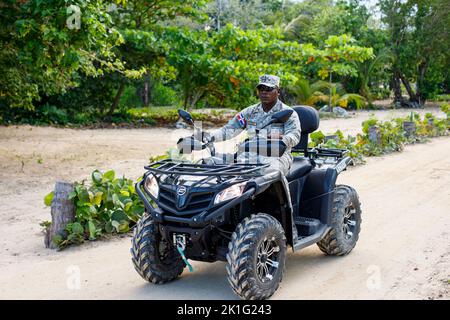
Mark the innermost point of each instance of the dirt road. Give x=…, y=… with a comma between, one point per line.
x=403, y=251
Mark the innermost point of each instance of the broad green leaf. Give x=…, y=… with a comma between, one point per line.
x=138, y=210
x=116, y=201
x=119, y=216
x=109, y=227
x=116, y=225
x=124, y=193
x=92, y=211
x=128, y=206
x=83, y=197
x=77, y=228
x=48, y=199
x=109, y=175
x=124, y=227
x=92, y=230
x=72, y=195
x=57, y=239
x=97, y=176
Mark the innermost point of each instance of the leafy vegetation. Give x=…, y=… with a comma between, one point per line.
x=391, y=135
x=196, y=54
x=107, y=205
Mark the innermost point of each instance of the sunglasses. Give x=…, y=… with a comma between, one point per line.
x=266, y=89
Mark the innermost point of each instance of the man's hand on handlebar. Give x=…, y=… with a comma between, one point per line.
x=203, y=136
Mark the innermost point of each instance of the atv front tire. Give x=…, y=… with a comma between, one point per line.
x=345, y=221
x=155, y=260
x=256, y=257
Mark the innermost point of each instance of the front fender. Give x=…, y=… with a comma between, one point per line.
x=278, y=181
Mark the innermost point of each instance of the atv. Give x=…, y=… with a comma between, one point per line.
x=214, y=210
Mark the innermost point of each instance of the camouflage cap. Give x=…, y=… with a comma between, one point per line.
x=269, y=81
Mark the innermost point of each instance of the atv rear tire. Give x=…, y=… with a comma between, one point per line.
x=345, y=221
x=256, y=257
x=153, y=258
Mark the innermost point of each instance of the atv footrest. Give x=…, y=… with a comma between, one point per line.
x=306, y=226
x=303, y=242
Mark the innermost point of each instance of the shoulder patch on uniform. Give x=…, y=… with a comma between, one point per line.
x=241, y=119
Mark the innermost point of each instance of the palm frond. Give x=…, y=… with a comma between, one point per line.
x=359, y=100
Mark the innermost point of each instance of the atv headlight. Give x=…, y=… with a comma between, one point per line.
x=151, y=185
x=230, y=192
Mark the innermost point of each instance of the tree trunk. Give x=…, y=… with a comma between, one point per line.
x=413, y=101
x=145, y=94
x=62, y=211
x=396, y=88
x=330, y=107
x=197, y=97
x=146, y=91
x=420, y=82
x=186, y=99
x=116, y=100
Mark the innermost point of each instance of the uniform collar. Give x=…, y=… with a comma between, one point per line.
x=275, y=108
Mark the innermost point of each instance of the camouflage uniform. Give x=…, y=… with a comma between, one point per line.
x=252, y=119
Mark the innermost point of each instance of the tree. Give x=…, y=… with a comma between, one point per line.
x=45, y=43
x=419, y=33
x=141, y=18
x=315, y=21
x=222, y=67
x=245, y=14
x=337, y=56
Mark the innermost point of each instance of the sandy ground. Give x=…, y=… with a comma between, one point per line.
x=403, y=251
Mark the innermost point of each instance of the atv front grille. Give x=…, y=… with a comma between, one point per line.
x=193, y=203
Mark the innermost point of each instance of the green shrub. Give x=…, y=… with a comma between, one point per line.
x=317, y=139
x=130, y=98
x=392, y=136
x=107, y=205
x=52, y=114
x=163, y=95
x=441, y=97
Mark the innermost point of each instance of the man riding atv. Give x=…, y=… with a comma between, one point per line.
x=257, y=116
x=246, y=208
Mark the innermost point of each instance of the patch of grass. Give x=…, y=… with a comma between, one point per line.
x=169, y=115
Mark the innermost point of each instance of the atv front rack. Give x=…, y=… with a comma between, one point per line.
x=171, y=167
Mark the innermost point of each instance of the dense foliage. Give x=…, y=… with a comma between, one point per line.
x=82, y=62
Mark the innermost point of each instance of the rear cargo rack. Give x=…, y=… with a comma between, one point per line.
x=171, y=167
x=314, y=153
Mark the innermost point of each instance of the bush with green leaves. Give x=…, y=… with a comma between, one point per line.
x=392, y=136
x=164, y=96
x=107, y=205
x=338, y=141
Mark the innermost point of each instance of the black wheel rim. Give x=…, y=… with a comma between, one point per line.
x=349, y=224
x=267, y=259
